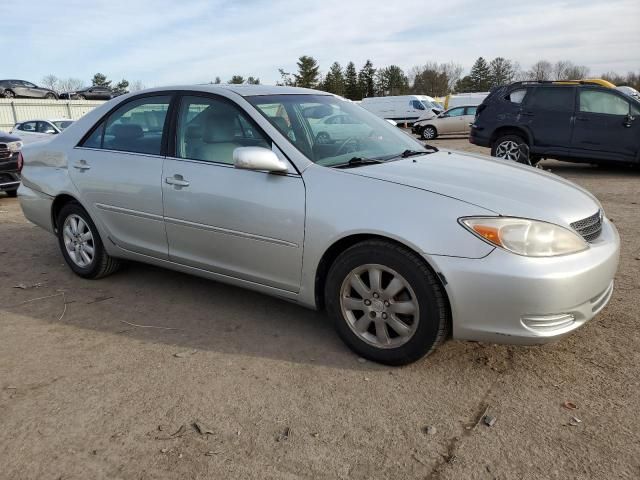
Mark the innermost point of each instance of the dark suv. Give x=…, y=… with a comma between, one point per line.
x=10, y=164
x=89, y=93
x=572, y=121
x=22, y=88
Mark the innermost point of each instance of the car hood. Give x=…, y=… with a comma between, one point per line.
x=501, y=186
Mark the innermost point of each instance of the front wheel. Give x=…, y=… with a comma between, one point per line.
x=8, y=94
x=508, y=147
x=429, y=133
x=50, y=96
x=81, y=245
x=387, y=305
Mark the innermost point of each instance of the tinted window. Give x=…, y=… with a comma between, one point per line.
x=210, y=129
x=552, y=98
x=136, y=126
x=28, y=127
x=594, y=101
x=517, y=96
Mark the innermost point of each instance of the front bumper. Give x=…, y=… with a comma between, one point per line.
x=507, y=298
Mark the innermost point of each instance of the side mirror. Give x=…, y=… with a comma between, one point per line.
x=50, y=131
x=258, y=158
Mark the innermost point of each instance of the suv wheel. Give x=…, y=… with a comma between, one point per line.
x=81, y=245
x=429, y=133
x=507, y=147
x=387, y=305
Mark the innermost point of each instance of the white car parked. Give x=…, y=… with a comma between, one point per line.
x=31, y=131
x=340, y=127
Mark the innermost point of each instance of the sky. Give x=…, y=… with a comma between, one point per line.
x=165, y=42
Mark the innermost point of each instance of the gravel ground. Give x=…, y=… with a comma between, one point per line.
x=86, y=394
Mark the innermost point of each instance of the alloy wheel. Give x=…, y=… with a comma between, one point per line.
x=509, y=150
x=78, y=241
x=428, y=133
x=379, y=306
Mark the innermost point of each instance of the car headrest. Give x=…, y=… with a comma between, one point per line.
x=193, y=131
x=128, y=131
x=219, y=128
x=281, y=124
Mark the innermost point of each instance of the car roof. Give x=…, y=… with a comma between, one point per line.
x=45, y=120
x=243, y=90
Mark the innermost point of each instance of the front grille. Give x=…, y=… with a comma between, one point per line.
x=589, y=228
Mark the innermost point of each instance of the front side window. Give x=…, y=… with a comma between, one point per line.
x=558, y=99
x=418, y=105
x=471, y=110
x=300, y=118
x=135, y=127
x=595, y=101
x=45, y=127
x=455, y=112
x=210, y=129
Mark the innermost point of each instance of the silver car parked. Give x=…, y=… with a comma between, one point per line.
x=402, y=244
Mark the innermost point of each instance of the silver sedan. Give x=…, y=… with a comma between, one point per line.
x=403, y=245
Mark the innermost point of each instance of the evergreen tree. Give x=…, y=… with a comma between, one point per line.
x=217, y=81
x=480, y=75
x=236, y=80
x=351, y=87
x=121, y=87
x=464, y=85
x=502, y=72
x=392, y=81
x=285, y=79
x=100, y=80
x=307, y=75
x=253, y=81
x=367, y=80
x=334, y=80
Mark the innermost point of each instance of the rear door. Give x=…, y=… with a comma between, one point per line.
x=469, y=117
x=117, y=170
x=548, y=113
x=606, y=126
x=239, y=223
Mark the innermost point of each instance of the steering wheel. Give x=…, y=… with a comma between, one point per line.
x=345, y=143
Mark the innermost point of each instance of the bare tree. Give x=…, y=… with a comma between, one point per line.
x=51, y=82
x=136, y=86
x=541, y=70
x=560, y=69
x=577, y=72
x=70, y=84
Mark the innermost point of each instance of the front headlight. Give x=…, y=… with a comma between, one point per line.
x=530, y=238
x=14, y=146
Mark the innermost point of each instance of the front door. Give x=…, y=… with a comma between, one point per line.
x=240, y=223
x=118, y=171
x=607, y=126
x=548, y=112
x=452, y=122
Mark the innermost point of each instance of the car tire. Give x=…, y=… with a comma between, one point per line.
x=8, y=94
x=508, y=147
x=50, y=96
x=429, y=133
x=409, y=291
x=101, y=264
x=12, y=193
x=81, y=97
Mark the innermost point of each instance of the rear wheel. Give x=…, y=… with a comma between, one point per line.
x=8, y=94
x=81, y=97
x=429, y=133
x=81, y=245
x=387, y=305
x=508, y=147
x=50, y=96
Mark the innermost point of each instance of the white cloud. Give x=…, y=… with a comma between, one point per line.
x=164, y=41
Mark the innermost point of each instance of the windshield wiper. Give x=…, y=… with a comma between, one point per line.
x=357, y=161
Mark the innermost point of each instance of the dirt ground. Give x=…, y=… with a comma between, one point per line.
x=85, y=394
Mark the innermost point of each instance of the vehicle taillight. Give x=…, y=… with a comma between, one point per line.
x=20, y=161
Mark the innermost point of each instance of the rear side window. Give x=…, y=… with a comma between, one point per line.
x=517, y=96
x=559, y=99
x=594, y=101
x=135, y=127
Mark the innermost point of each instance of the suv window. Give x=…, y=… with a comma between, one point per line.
x=596, y=101
x=517, y=96
x=209, y=129
x=135, y=127
x=559, y=99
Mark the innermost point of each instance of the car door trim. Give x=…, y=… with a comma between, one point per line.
x=234, y=233
x=126, y=211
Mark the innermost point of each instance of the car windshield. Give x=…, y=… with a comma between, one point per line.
x=331, y=132
x=62, y=124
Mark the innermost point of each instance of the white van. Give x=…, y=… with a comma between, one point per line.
x=401, y=108
x=464, y=99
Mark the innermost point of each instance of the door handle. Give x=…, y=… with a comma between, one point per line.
x=177, y=181
x=81, y=165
